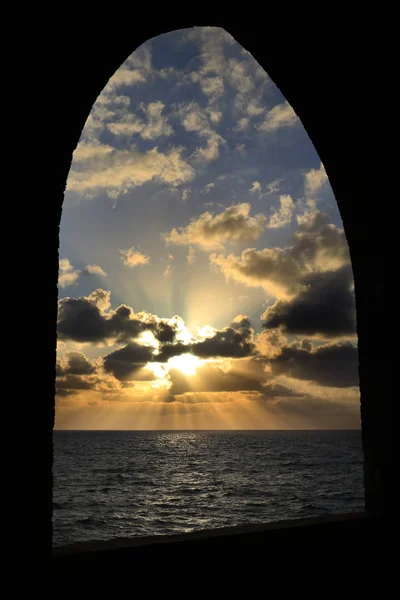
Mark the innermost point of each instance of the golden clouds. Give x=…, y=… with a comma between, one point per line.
x=314, y=180
x=133, y=258
x=121, y=170
x=283, y=216
x=280, y=116
x=153, y=124
x=210, y=231
x=69, y=275
x=317, y=246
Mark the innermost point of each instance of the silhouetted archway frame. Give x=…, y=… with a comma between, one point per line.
x=325, y=82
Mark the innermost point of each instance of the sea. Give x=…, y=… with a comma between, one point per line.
x=119, y=484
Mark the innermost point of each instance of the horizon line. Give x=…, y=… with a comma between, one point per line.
x=193, y=430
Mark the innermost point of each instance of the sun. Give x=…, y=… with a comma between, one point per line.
x=186, y=363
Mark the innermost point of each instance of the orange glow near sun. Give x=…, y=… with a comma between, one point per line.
x=186, y=363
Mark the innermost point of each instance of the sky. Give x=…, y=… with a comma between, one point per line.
x=204, y=280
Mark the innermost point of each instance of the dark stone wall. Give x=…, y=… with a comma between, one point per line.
x=337, y=71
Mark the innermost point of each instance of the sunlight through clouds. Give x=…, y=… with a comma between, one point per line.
x=204, y=275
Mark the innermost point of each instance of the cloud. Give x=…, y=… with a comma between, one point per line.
x=319, y=242
x=81, y=320
x=75, y=363
x=86, y=151
x=211, y=74
x=101, y=298
x=240, y=78
x=168, y=350
x=165, y=332
x=324, y=307
x=212, y=378
x=318, y=412
x=214, y=115
x=122, y=170
x=273, y=187
x=212, y=42
x=234, y=224
x=125, y=363
x=213, y=86
x=85, y=320
x=235, y=341
x=68, y=275
x=76, y=373
x=314, y=180
x=283, y=216
x=243, y=375
x=133, y=71
x=89, y=319
x=242, y=124
x=93, y=270
x=156, y=124
x=254, y=109
x=248, y=81
x=241, y=148
x=274, y=269
x=72, y=384
x=207, y=188
x=132, y=258
x=255, y=187
x=194, y=118
x=317, y=246
x=185, y=194
x=331, y=365
x=111, y=105
x=269, y=343
x=282, y=115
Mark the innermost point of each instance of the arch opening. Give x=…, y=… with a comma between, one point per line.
x=205, y=279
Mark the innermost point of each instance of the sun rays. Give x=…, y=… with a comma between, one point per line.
x=200, y=256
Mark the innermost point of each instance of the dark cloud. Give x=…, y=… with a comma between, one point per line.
x=59, y=368
x=276, y=390
x=75, y=373
x=317, y=239
x=267, y=267
x=331, y=365
x=325, y=307
x=306, y=345
x=170, y=350
x=72, y=384
x=317, y=246
x=231, y=342
x=75, y=363
x=165, y=332
x=125, y=362
x=78, y=364
x=211, y=378
x=81, y=321
x=124, y=326
x=319, y=413
x=84, y=320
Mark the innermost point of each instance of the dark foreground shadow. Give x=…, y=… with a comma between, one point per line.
x=336, y=545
